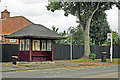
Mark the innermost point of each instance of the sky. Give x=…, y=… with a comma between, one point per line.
x=36, y=11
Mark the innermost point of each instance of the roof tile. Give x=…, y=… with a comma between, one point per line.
x=13, y=24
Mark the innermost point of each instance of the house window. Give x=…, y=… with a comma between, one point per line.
x=21, y=44
x=43, y=45
x=49, y=45
x=12, y=40
x=27, y=44
x=0, y=39
x=36, y=45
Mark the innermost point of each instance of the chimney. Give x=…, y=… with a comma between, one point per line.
x=5, y=14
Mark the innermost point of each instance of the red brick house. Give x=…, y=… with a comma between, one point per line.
x=9, y=25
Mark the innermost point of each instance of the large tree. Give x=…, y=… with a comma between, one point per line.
x=84, y=11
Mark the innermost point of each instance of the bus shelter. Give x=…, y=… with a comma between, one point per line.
x=35, y=42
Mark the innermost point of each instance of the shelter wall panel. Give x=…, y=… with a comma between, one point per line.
x=39, y=53
x=24, y=56
x=49, y=57
x=36, y=58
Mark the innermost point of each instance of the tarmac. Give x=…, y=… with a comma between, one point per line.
x=27, y=66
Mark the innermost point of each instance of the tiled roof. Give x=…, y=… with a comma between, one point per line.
x=13, y=24
x=35, y=31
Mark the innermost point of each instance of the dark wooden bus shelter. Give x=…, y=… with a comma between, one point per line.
x=35, y=42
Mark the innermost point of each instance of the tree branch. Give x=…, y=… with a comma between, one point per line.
x=90, y=18
x=79, y=17
x=95, y=10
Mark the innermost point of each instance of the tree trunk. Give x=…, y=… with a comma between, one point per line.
x=86, y=35
x=86, y=41
x=86, y=30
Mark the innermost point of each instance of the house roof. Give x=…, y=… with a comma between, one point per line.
x=13, y=24
x=35, y=31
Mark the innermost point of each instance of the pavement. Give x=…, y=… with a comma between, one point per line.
x=27, y=66
x=105, y=71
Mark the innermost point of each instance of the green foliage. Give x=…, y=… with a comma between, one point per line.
x=62, y=34
x=99, y=28
x=116, y=40
x=55, y=29
x=92, y=56
x=77, y=34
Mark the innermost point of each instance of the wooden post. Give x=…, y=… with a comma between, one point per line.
x=52, y=50
x=19, y=51
x=30, y=50
x=4, y=41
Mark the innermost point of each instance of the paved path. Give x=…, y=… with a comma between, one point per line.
x=110, y=71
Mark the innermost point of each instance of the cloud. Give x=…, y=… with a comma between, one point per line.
x=33, y=1
x=112, y=18
x=36, y=11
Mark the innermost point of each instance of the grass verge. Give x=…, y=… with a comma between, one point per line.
x=85, y=60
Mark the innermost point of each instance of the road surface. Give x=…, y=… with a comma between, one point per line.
x=110, y=71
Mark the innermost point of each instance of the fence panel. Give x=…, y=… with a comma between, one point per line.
x=61, y=52
x=8, y=50
x=116, y=49
x=78, y=51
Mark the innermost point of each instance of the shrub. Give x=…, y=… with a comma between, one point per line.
x=92, y=56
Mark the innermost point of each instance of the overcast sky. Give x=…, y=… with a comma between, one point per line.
x=35, y=11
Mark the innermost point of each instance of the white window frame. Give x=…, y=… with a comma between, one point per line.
x=43, y=45
x=37, y=46
x=27, y=44
x=21, y=45
x=49, y=45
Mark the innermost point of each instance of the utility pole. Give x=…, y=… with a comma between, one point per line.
x=71, y=49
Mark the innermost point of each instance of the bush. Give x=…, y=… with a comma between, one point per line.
x=92, y=56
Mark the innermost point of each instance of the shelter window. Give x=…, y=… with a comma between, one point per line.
x=0, y=39
x=36, y=45
x=43, y=45
x=12, y=40
x=22, y=45
x=27, y=44
x=49, y=45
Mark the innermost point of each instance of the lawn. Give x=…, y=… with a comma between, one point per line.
x=85, y=60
